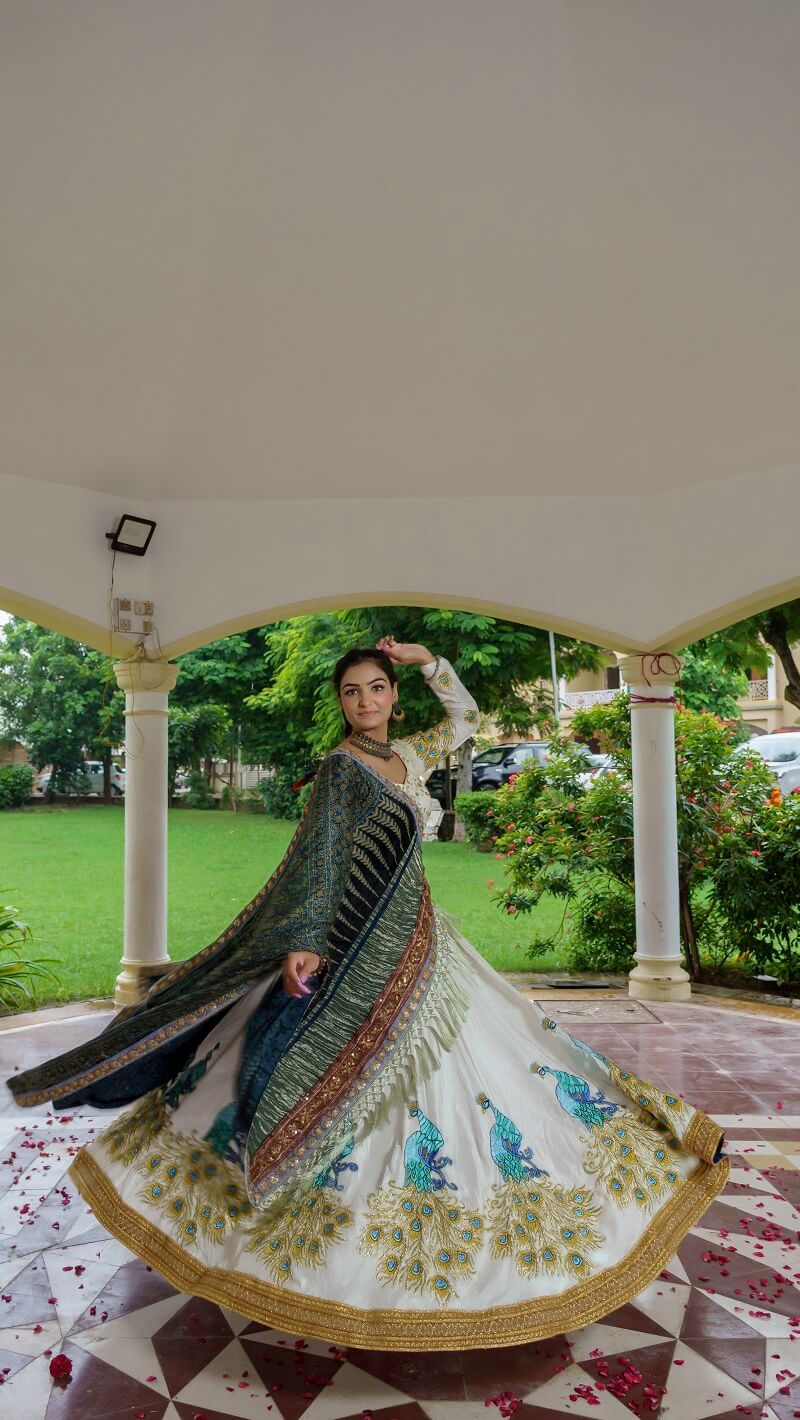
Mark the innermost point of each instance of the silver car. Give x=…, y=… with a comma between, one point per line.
x=782, y=754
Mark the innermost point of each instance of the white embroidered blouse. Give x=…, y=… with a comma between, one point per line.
x=421, y=753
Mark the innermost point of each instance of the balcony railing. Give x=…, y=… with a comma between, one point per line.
x=585, y=699
x=758, y=690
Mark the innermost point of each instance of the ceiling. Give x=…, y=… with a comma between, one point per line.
x=363, y=249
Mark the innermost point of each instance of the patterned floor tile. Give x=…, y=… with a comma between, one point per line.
x=717, y=1334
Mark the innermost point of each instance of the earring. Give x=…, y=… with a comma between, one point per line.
x=397, y=713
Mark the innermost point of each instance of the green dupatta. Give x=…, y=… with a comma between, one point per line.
x=351, y=886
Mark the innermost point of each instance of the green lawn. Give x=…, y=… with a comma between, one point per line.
x=63, y=869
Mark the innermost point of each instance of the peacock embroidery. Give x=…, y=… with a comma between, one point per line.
x=424, y=1239
x=545, y=1227
x=198, y=1193
x=629, y=1152
x=303, y=1235
x=188, y=1079
x=670, y=1110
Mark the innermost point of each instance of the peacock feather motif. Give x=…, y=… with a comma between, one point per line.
x=629, y=1153
x=136, y=1128
x=303, y=1235
x=199, y=1193
x=670, y=1110
x=543, y=1226
x=425, y=1240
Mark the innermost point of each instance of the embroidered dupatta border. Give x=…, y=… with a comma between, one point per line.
x=355, y=1065
x=52, y=1083
x=400, y=1329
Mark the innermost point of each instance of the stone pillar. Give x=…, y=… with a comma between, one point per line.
x=147, y=685
x=659, y=974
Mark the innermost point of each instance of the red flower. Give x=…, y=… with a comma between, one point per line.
x=60, y=1367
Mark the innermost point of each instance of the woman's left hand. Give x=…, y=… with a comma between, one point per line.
x=404, y=653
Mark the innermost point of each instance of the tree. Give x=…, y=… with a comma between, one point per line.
x=61, y=700
x=747, y=644
x=708, y=683
x=195, y=733
x=225, y=673
x=497, y=660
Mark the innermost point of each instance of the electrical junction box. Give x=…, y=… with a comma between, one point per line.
x=132, y=617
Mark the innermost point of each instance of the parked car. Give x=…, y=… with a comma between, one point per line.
x=492, y=767
x=93, y=769
x=782, y=755
x=597, y=766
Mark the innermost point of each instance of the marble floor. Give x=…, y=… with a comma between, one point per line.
x=717, y=1334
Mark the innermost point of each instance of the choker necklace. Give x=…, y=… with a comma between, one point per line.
x=379, y=748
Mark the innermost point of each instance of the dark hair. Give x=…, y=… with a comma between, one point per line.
x=357, y=657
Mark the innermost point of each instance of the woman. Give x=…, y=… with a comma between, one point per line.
x=347, y=1125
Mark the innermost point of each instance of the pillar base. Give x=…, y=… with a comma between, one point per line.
x=135, y=979
x=659, y=979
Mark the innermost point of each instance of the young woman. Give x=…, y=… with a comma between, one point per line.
x=346, y=1125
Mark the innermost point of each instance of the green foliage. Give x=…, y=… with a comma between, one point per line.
x=755, y=875
x=603, y=926
x=236, y=799
x=19, y=973
x=738, y=853
x=280, y=799
x=195, y=733
x=16, y=784
x=747, y=644
x=224, y=674
x=476, y=812
x=707, y=683
x=60, y=698
x=199, y=795
x=497, y=660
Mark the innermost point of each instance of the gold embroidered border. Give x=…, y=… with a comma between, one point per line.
x=305, y=1120
x=703, y=1138
x=131, y=1053
x=390, y=1329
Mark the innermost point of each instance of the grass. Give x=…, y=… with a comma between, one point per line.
x=63, y=869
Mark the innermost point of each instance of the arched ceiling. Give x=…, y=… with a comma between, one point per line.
x=541, y=253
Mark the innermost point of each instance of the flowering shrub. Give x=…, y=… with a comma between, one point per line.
x=476, y=812
x=738, y=848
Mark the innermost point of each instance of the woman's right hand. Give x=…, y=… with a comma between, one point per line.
x=297, y=967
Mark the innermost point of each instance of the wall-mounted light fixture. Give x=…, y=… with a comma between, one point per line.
x=132, y=535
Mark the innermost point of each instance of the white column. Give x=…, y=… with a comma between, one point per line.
x=772, y=679
x=147, y=685
x=659, y=974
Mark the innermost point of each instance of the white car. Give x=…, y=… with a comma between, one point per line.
x=93, y=769
x=782, y=755
x=599, y=764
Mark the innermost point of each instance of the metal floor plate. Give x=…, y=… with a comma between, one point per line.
x=608, y=1011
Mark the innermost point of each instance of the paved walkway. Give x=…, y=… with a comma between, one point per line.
x=718, y=1334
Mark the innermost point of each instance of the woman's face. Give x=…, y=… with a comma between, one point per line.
x=366, y=698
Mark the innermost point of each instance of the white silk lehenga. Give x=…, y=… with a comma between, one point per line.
x=413, y=1158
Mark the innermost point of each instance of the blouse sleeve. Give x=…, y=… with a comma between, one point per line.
x=462, y=716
